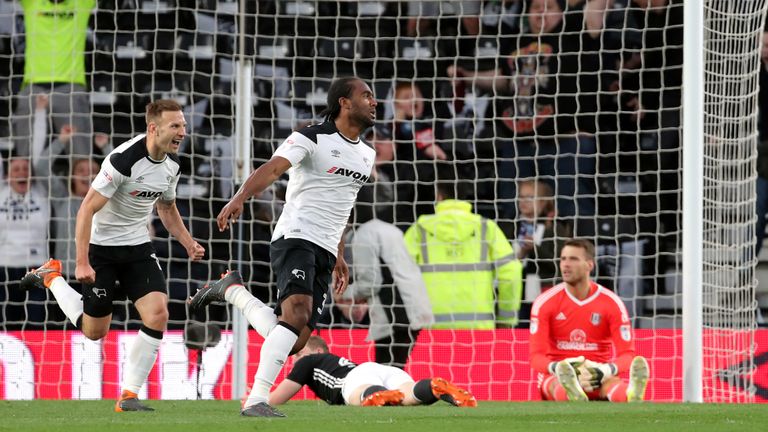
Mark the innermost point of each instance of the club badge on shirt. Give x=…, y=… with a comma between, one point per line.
x=595, y=319
x=626, y=332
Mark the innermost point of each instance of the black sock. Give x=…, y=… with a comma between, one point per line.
x=371, y=390
x=422, y=391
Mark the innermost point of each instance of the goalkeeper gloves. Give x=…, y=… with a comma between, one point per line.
x=592, y=374
x=574, y=361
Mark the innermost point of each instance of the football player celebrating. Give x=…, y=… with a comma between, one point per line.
x=573, y=327
x=327, y=165
x=113, y=244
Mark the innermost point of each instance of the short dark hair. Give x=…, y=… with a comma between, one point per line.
x=449, y=185
x=157, y=108
x=315, y=342
x=585, y=244
x=340, y=88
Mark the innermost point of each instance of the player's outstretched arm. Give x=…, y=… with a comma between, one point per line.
x=171, y=219
x=284, y=392
x=259, y=180
x=92, y=203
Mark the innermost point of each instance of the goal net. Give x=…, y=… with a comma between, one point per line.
x=554, y=119
x=733, y=66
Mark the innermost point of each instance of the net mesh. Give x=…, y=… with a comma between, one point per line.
x=587, y=103
x=732, y=71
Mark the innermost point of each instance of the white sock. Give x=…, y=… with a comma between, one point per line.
x=260, y=316
x=69, y=300
x=141, y=358
x=274, y=352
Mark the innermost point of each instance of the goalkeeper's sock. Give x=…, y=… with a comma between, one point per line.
x=69, y=300
x=261, y=317
x=616, y=391
x=559, y=394
x=422, y=391
x=274, y=352
x=552, y=390
x=141, y=358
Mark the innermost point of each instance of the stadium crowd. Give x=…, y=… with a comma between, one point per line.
x=548, y=118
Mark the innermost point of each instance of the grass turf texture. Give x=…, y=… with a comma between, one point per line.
x=312, y=416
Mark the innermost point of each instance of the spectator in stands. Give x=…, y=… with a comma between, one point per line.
x=501, y=17
x=545, y=108
x=383, y=173
x=473, y=279
x=540, y=236
x=417, y=136
x=54, y=63
x=24, y=218
x=385, y=277
x=65, y=192
x=581, y=337
x=658, y=77
x=467, y=11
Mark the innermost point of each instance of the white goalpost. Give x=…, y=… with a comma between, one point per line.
x=640, y=116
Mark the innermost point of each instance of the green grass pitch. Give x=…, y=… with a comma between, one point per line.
x=312, y=416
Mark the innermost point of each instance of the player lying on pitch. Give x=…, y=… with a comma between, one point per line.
x=339, y=381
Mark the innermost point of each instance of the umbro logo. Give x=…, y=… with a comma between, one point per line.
x=140, y=179
x=299, y=274
x=335, y=153
x=560, y=317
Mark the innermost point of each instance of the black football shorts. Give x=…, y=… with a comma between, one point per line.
x=136, y=268
x=302, y=267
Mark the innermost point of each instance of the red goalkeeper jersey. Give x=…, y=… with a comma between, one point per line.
x=563, y=326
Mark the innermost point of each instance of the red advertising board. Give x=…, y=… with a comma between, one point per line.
x=492, y=364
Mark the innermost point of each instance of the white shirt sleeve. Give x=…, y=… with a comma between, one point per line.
x=295, y=148
x=170, y=193
x=108, y=180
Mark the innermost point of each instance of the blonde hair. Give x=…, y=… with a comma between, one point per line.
x=314, y=342
x=543, y=191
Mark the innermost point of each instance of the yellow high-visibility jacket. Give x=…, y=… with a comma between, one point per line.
x=473, y=279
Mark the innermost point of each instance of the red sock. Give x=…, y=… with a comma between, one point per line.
x=557, y=393
x=616, y=391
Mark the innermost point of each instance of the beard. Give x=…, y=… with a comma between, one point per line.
x=364, y=120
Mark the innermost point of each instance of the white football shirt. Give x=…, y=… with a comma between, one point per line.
x=327, y=171
x=133, y=182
